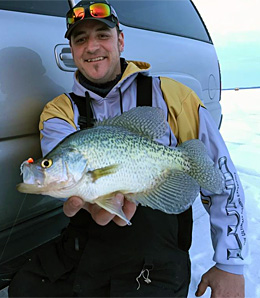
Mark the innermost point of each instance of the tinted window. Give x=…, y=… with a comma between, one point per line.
x=54, y=8
x=178, y=17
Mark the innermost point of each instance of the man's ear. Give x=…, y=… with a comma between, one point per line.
x=121, y=40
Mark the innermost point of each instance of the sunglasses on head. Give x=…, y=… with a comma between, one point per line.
x=96, y=10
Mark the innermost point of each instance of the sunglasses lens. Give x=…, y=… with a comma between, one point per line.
x=99, y=10
x=75, y=15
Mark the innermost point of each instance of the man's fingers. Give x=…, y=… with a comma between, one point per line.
x=100, y=215
x=202, y=287
x=72, y=206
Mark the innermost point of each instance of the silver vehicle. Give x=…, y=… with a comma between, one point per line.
x=36, y=65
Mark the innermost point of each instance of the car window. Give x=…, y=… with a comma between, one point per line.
x=178, y=17
x=54, y=8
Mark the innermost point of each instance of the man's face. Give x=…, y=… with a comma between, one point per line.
x=96, y=51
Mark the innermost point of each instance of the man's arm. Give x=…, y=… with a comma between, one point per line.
x=57, y=121
x=228, y=220
x=227, y=213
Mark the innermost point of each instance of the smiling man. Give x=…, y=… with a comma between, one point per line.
x=98, y=255
x=96, y=50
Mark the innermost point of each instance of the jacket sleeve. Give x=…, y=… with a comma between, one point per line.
x=56, y=122
x=227, y=210
x=189, y=119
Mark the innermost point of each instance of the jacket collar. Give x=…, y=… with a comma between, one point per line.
x=130, y=73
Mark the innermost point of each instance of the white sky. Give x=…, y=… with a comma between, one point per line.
x=234, y=26
x=223, y=18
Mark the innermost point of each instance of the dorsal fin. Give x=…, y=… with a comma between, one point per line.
x=145, y=121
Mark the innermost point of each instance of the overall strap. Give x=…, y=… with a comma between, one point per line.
x=86, y=119
x=144, y=91
x=144, y=98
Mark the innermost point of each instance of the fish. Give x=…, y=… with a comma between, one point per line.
x=122, y=154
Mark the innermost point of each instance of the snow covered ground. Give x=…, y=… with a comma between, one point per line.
x=241, y=131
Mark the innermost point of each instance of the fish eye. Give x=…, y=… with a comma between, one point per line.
x=46, y=163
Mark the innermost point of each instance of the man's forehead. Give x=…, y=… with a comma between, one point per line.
x=89, y=25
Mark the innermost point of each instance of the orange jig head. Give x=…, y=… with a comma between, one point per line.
x=30, y=160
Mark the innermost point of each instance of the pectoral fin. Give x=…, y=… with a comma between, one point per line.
x=112, y=205
x=98, y=173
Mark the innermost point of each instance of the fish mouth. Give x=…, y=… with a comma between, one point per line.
x=44, y=189
x=35, y=180
x=31, y=188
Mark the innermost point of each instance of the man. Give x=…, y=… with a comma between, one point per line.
x=98, y=255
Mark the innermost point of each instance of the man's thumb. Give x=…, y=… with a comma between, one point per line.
x=201, y=288
x=72, y=206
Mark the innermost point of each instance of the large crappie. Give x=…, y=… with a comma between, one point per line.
x=120, y=155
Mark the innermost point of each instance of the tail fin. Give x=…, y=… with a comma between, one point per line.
x=202, y=168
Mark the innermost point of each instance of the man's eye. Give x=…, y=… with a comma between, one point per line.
x=80, y=40
x=104, y=36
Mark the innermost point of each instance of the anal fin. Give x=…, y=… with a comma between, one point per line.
x=112, y=205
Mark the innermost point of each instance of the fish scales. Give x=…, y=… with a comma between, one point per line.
x=128, y=151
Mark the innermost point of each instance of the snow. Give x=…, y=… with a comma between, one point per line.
x=241, y=132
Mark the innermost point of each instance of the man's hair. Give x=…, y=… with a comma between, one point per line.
x=118, y=30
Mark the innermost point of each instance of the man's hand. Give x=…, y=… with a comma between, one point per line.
x=222, y=284
x=100, y=215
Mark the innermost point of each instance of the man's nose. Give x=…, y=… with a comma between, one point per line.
x=92, y=45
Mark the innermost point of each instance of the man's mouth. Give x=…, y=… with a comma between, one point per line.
x=95, y=59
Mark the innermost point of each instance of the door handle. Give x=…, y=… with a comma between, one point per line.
x=64, y=57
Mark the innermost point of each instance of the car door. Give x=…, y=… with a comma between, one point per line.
x=29, y=78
